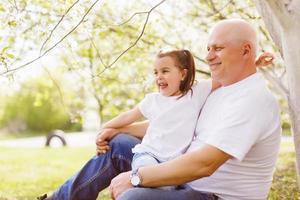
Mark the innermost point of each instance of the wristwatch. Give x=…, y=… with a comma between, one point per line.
x=135, y=178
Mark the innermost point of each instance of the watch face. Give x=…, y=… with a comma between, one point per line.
x=135, y=180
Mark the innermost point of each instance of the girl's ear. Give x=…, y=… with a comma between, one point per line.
x=184, y=74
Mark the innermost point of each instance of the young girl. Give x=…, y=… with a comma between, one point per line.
x=172, y=111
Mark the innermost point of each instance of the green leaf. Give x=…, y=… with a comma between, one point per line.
x=10, y=55
x=11, y=40
x=2, y=9
x=12, y=23
x=4, y=49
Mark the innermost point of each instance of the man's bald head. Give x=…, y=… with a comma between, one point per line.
x=237, y=30
x=231, y=49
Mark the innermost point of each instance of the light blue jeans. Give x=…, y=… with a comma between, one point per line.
x=143, y=159
x=97, y=173
x=146, y=159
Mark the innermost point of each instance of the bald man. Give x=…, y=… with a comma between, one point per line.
x=236, y=139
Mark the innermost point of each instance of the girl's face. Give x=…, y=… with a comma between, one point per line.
x=168, y=76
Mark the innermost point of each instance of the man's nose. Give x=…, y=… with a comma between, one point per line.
x=210, y=56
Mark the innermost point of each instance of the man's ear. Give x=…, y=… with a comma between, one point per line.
x=247, y=49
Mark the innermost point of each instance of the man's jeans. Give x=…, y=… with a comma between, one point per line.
x=183, y=193
x=98, y=172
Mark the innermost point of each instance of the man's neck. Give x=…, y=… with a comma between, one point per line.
x=243, y=75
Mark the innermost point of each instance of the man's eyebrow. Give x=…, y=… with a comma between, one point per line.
x=215, y=45
x=210, y=46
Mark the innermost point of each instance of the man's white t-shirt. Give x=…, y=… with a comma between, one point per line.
x=242, y=120
x=172, y=121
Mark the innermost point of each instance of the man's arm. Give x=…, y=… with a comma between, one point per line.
x=185, y=168
x=188, y=167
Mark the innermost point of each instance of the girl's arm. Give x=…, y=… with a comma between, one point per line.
x=124, y=119
x=264, y=59
x=137, y=129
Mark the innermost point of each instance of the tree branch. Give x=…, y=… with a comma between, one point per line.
x=61, y=19
x=277, y=83
x=57, y=87
x=132, y=16
x=97, y=51
x=52, y=47
x=203, y=72
x=135, y=42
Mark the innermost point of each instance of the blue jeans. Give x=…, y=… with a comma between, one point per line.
x=97, y=173
x=183, y=193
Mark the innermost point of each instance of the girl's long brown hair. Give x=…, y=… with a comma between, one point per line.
x=183, y=60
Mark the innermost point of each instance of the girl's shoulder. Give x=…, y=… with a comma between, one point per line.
x=206, y=83
x=202, y=87
x=152, y=95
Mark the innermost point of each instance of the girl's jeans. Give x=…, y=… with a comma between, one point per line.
x=146, y=159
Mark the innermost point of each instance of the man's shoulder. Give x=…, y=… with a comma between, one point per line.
x=250, y=101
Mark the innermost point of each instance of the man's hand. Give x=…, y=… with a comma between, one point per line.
x=120, y=184
x=103, y=139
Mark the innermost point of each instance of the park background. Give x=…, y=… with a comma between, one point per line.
x=71, y=64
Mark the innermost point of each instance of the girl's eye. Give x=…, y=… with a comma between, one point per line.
x=219, y=48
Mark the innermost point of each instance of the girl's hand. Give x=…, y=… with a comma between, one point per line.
x=103, y=139
x=264, y=59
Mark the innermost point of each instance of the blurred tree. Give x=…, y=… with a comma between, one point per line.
x=282, y=19
x=36, y=106
x=108, y=47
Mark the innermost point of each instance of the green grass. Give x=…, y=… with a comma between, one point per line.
x=27, y=173
x=284, y=184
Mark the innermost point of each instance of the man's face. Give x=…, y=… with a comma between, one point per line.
x=224, y=57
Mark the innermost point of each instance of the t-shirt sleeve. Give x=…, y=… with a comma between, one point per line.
x=240, y=127
x=146, y=104
x=201, y=91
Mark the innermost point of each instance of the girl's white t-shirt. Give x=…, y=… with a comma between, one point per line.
x=172, y=121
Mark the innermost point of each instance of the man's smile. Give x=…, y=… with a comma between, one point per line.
x=213, y=66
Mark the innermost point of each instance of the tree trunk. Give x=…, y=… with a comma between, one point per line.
x=282, y=18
